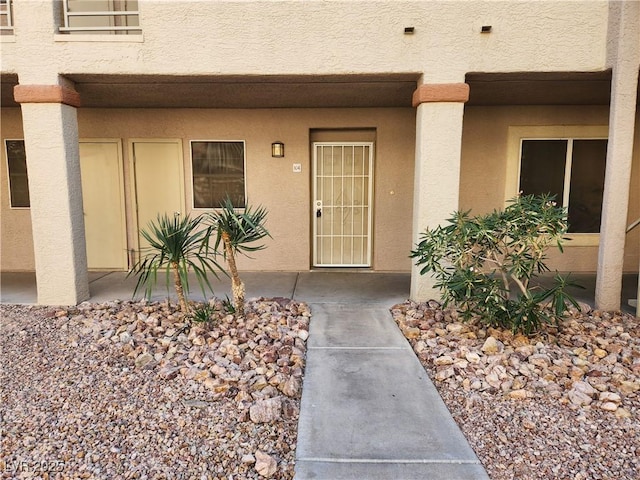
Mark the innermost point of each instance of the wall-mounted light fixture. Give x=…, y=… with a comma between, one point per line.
x=277, y=149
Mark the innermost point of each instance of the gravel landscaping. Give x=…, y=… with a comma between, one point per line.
x=565, y=405
x=117, y=391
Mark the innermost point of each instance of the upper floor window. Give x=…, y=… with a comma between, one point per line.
x=573, y=170
x=18, y=182
x=6, y=17
x=113, y=17
x=217, y=171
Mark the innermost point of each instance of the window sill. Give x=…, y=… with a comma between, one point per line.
x=62, y=37
x=581, y=240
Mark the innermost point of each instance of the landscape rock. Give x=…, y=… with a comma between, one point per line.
x=265, y=465
x=528, y=404
x=492, y=346
x=127, y=380
x=266, y=411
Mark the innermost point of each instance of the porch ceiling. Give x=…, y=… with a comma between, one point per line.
x=164, y=91
x=388, y=90
x=543, y=88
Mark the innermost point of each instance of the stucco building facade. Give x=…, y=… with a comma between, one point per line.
x=393, y=114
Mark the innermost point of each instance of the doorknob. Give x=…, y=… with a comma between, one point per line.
x=176, y=214
x=318, y=212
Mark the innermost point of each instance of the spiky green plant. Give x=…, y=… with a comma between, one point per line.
x=237, y=230
x=176, y=245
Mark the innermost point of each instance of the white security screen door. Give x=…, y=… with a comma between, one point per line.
x=342, y=192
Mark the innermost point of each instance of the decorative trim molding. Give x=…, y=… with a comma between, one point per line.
x=46, y=94
x=441, y=92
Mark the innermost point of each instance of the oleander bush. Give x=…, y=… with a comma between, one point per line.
x=485, y=264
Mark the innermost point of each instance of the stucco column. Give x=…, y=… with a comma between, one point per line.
x=615, y=201
x=440, y=108
x=51, y=142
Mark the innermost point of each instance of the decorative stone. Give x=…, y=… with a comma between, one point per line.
x=266, y=465
x=266, y=411
x=609, y=397
x=598, y=352
x=143, y=360
x=492, y=346
x=411, y=332
x=445, y=373
x=472, y=357
x=520, y=394
x=443, y=360
x=609, y=406
x=291, y=387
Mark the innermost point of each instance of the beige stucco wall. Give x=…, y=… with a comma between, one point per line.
x=295, y=37
x=287, y=195
x=483, y=179
x=16, y=239
x=270, y=181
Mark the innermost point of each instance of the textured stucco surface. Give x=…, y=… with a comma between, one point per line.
x=271, y=181
x=294, y=37
x=16, y=239
x=437, y=177
x=51, y=144
x=624, y=88
x=287, y=194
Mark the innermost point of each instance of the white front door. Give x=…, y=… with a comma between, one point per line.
x=158, y=188
x=103, y=202
x=342, y=213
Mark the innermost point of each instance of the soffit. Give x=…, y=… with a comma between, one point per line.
x=350, y=91
x=245, y=91
x=562, y=88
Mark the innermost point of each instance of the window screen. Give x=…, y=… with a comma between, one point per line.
x=218, y=172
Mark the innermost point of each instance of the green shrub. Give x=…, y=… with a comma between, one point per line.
x=203, y=314
x=485, y=264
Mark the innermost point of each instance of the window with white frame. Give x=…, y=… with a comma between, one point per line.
x=218, y=171
x=573, y=170
x=112, y=17
x=18, y=181
x=6, y=17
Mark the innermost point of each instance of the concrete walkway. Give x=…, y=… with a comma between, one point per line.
x=369, y=411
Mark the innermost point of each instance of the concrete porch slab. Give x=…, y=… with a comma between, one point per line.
x=356, y=326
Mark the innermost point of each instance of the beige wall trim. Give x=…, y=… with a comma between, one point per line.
x=46, y=94
x=441, y=92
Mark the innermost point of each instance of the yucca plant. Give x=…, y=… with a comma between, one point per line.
x=236, y=230
x=176, y=245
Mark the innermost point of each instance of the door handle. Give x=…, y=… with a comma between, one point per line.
x=318, y=212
